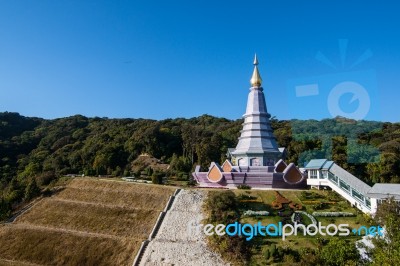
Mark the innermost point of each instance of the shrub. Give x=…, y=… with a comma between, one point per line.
x=273, y=250
x=243, y=197
x=312, y=218
x=333, y=214
x=320, y=206
x=339, y=252
x=191, y=182
x=309, y=195
x=333, y=196
x=5, y=209
x=156, y=178
x=181, y=176
x=303, y=195
x=45, y=178
x=149, y=171
x=244, y=187
x=286, y=213
x=289, y=258
x=286, y=220
x=32, y=190
x=279, y=254
x=311, y=201
x=267, y=254
x=180, y=164
x=295, y=206
x=222, y=207
x=255, y=213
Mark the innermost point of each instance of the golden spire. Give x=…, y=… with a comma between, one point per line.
x=255, y=80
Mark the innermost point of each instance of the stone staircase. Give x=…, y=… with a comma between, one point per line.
x=155, y=230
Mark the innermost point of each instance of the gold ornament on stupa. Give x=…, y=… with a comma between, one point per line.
x=256, y=79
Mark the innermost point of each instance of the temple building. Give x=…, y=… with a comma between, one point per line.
x=257, y=161
x=257, y=144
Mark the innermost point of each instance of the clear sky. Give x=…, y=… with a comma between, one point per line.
x=167, y=59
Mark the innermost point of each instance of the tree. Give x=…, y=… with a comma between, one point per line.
x=339, y=252
x=157, y=177
x=15, y=191
x=386, y=250
x=5, y=209
x=32, y=190
x=180, y=164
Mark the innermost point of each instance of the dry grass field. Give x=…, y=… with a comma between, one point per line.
x=90, y=222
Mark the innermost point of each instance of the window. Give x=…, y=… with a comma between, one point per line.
x=344, y=186
x=357, y=195
x=255, y=162
x=332, y=178
x=242, y=162
x=368, y=203
x=324, y=174
x=314, y=174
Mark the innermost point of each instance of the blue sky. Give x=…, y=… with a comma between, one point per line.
x=167, y=59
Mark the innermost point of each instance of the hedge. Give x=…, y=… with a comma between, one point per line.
x=333, y=214
x=255, y=213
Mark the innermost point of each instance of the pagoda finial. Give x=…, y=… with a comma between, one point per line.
x=255, y=80
x=255, y=60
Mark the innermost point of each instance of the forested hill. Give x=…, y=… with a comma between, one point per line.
x=41, y=150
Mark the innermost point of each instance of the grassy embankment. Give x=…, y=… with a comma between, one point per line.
x=91, y=222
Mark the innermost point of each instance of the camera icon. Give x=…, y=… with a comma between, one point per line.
x=351, y=95
x=348, y=96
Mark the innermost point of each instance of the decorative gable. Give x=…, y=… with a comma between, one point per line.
x=227, y=166
x=292, y=174
x=215, y=173
x=280, y=166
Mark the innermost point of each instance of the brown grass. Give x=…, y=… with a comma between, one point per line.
x=91, y=222
x=92, y=218
x=133, y=199
x=62, y=248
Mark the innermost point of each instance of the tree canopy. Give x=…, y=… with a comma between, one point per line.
x=46, y=149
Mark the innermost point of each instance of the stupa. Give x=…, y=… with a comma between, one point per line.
x=256, y=161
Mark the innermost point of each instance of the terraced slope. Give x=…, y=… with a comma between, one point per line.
x=90, y=222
